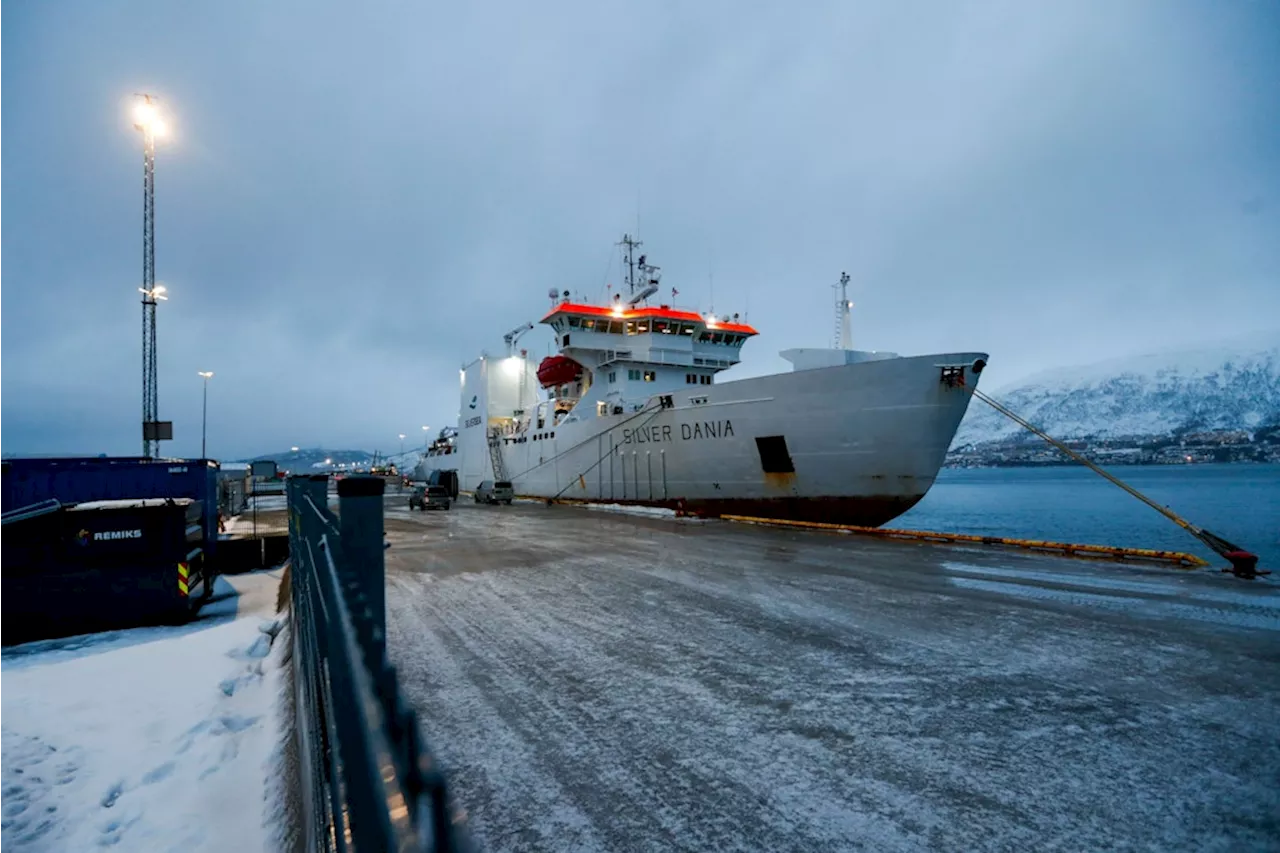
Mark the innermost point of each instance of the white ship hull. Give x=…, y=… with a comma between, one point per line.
x=865, y=442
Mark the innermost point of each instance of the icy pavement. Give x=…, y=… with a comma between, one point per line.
x=149, y=739
x=596, y=681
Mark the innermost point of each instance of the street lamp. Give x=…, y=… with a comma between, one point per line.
x=426, y=439
x=402, y=444
x=147, y=120
x=204, y=418
x=294, y=449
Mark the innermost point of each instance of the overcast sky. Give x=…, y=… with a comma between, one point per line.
x=356, y=198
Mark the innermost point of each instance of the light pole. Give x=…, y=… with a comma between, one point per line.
x=148, y=121
x=426, y=439
x=402, y=444
x=204, y=417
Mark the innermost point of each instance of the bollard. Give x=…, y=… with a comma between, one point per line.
x=316, y=487
x=360, y=523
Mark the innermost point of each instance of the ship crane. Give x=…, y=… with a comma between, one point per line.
x=514, y=335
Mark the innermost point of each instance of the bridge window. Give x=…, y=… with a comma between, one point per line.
x=615, y=327
x=631, y=327
x=588, y=324
x=574, y=322
x=688, y=329
x=642, y=327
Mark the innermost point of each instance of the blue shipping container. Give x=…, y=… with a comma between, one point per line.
x=97, y=478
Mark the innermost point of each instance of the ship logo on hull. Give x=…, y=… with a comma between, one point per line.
x=475, y=398
x=688, y=432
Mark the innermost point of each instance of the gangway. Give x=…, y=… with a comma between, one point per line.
x=495, y=454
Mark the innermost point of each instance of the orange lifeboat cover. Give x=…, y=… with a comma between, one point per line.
x=558, y=370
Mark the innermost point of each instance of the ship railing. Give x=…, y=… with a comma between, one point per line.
x=671, y=357
x=369, y=782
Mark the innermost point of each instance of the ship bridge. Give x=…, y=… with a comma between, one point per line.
x=662, y=337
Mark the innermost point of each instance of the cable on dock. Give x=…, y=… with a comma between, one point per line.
x=1066, y=549
x=1244, y=564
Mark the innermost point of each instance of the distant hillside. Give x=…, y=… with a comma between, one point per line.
x=314, y=458
x=1227, y=387
x=319, y=459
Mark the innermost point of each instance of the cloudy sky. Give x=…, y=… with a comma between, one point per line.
x=356, y=198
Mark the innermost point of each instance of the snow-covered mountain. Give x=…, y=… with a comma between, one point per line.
x=1229, y=386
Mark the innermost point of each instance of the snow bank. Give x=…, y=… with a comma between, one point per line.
x=631, y=509
x=149, y=739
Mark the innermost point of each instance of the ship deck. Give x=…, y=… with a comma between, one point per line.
x=599, y=681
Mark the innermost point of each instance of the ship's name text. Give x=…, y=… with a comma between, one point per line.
x=687, y=432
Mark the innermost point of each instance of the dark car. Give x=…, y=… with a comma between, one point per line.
x=429, y=497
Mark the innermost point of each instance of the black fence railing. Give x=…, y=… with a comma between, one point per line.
x=369, y=782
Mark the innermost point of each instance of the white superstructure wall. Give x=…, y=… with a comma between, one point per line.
x=493, y=390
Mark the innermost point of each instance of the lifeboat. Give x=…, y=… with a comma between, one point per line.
x=558, y=370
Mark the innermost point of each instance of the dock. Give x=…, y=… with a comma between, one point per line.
x=596, y=680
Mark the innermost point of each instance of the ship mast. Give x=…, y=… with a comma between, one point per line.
x=650, y=275
x=630, y=247
x=843, y=335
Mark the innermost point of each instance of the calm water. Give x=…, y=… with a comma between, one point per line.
x=1240, y=503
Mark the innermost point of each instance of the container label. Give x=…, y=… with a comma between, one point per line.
x=108, y=535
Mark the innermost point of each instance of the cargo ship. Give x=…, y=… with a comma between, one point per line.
x=630, y=409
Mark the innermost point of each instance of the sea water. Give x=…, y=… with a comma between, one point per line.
x=1239, y=502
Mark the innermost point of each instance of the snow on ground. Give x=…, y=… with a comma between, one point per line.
x=629, y=509
x=146, y=739
x=266, y=502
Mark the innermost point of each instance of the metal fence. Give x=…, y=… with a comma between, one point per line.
x=369, y=782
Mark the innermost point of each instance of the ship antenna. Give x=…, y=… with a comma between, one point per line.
x=630, y=246
x=843, y=334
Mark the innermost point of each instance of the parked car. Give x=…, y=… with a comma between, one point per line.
x=429, y=497
x=490, y=492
